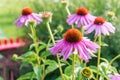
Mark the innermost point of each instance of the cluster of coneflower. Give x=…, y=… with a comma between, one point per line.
x=74, y=41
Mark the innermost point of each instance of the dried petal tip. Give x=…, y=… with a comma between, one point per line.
x=73, y=35
x=26, y=11
x=82, y=11
x=99, y=20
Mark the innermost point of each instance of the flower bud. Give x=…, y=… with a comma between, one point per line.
x=60, y=28
x=47, y=16
x=32, y=22
x=86, y=72
x=15, y=56
x=110, y=13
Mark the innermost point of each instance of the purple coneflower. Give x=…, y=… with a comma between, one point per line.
x=81, y=17
x=115, y=77
x=74, y=42
x=26, y=16
x=100, y=26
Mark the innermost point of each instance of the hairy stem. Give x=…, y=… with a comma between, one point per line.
x=99, y=52
x=68, y=11
x=52, y=38
x=73, y=66
x=35, y=42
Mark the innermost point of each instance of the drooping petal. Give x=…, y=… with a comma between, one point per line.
x=68, y=52
x=70, y=18
x=115, y=77
x=90, y=29
x=109, y=27
x=90, y=45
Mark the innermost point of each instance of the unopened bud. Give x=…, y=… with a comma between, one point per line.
x=111, y=13
x=47, y=16
x=86, y=72
x=60, y=28
x=32, y=22
x=15, y=56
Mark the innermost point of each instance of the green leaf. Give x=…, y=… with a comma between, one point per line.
x=94, y=69
x=113, y=69
x=65, y=77
x=64, y=61
x=103, y=70
x=30, y=35
x=52, y=65
x=29, y=76
x=104, y=60
x=37, y=71
x=41, y=47
x=68, y=70
x=28, y=54
x=103, y=44
x=45, y=54
x=23, y=64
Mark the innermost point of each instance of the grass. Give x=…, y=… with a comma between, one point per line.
x=9, y=11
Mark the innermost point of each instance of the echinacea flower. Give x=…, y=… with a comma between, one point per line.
x=115, y=77
x=27, y=15
x=99, y=25
x=74, y=42
x=81, y=17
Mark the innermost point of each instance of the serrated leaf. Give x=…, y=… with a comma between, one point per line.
x=29, y=76
x=37, y=71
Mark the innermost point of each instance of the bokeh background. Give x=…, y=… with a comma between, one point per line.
x=10, y=10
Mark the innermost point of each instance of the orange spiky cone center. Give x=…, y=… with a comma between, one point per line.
x=82, y=11
x=73, y=35
x=26, y=11
x=99, y=20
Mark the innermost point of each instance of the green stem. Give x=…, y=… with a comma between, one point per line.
x=99, y=51
x=52, y=38
x=73, y=66
x=68, y=11
x=35, y=42
x=95, y=39
x=114, y=59
x=82, y=30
